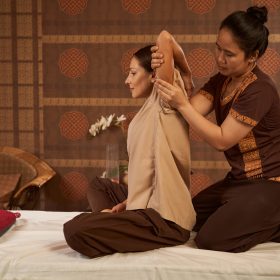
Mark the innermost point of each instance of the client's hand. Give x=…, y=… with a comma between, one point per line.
x=157, y=58
x=106, y=211
x=119, y=207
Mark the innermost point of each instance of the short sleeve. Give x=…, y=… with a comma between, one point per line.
x=253, y=103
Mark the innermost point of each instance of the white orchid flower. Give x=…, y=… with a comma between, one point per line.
x=103, y=123
x=93, y=130
x=110, y=119
x=120, y=119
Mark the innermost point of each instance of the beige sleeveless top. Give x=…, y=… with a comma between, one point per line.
x=159, y=161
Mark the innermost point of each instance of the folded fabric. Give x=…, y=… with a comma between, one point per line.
x=7, y=219
x=103, y=193
x=159, y=161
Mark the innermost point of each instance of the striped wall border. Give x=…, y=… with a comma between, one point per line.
x=102, y=163
x=145, y=38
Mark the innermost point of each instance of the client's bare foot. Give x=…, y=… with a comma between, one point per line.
x=106, y=210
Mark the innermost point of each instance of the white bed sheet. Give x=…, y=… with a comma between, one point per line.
x=34, y=248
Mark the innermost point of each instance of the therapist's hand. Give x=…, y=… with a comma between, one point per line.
x=157, y=58
x=171, y=94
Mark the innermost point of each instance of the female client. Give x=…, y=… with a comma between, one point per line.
x=158, y=211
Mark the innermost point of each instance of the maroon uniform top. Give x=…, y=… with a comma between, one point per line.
x=255, y=103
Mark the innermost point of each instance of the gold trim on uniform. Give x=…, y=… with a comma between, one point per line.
x=251, y=157
x=206, y=94
x=251, y=77
x=248, y=146
x=243, y=118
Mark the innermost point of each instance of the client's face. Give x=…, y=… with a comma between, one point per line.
x=138, y=80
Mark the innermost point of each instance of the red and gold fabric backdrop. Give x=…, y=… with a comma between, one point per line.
x=63, y=66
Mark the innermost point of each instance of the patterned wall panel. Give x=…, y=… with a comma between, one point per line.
x=20, y=69
x=63, y=65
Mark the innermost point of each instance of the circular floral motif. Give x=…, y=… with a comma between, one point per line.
x=270, y=62
x=73, y=63
x=73, y=125
x=199, y=181
x=136, y=7
x=202, y=62
x=200, y=6
x=272, y=5
x=72, y=7
x=125, y=60
x=74, y=186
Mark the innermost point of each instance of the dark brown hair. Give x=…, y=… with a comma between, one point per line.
x=144, y=56
x=249, y=30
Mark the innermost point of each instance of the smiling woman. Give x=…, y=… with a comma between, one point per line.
x=158, y=211
x=139, y=79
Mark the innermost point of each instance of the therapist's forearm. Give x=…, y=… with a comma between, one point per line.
x=208, y=131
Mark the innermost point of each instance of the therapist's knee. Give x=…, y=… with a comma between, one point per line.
x=210, y=242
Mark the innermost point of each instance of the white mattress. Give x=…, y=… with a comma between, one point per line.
x=34, y=248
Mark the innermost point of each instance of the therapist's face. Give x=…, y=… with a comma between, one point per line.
x=230, y=58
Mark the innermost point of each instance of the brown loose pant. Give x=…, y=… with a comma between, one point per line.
x=98, y=234
x=234, y=216
x=104, y=194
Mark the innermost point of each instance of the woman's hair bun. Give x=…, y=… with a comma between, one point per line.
x=258, y=12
